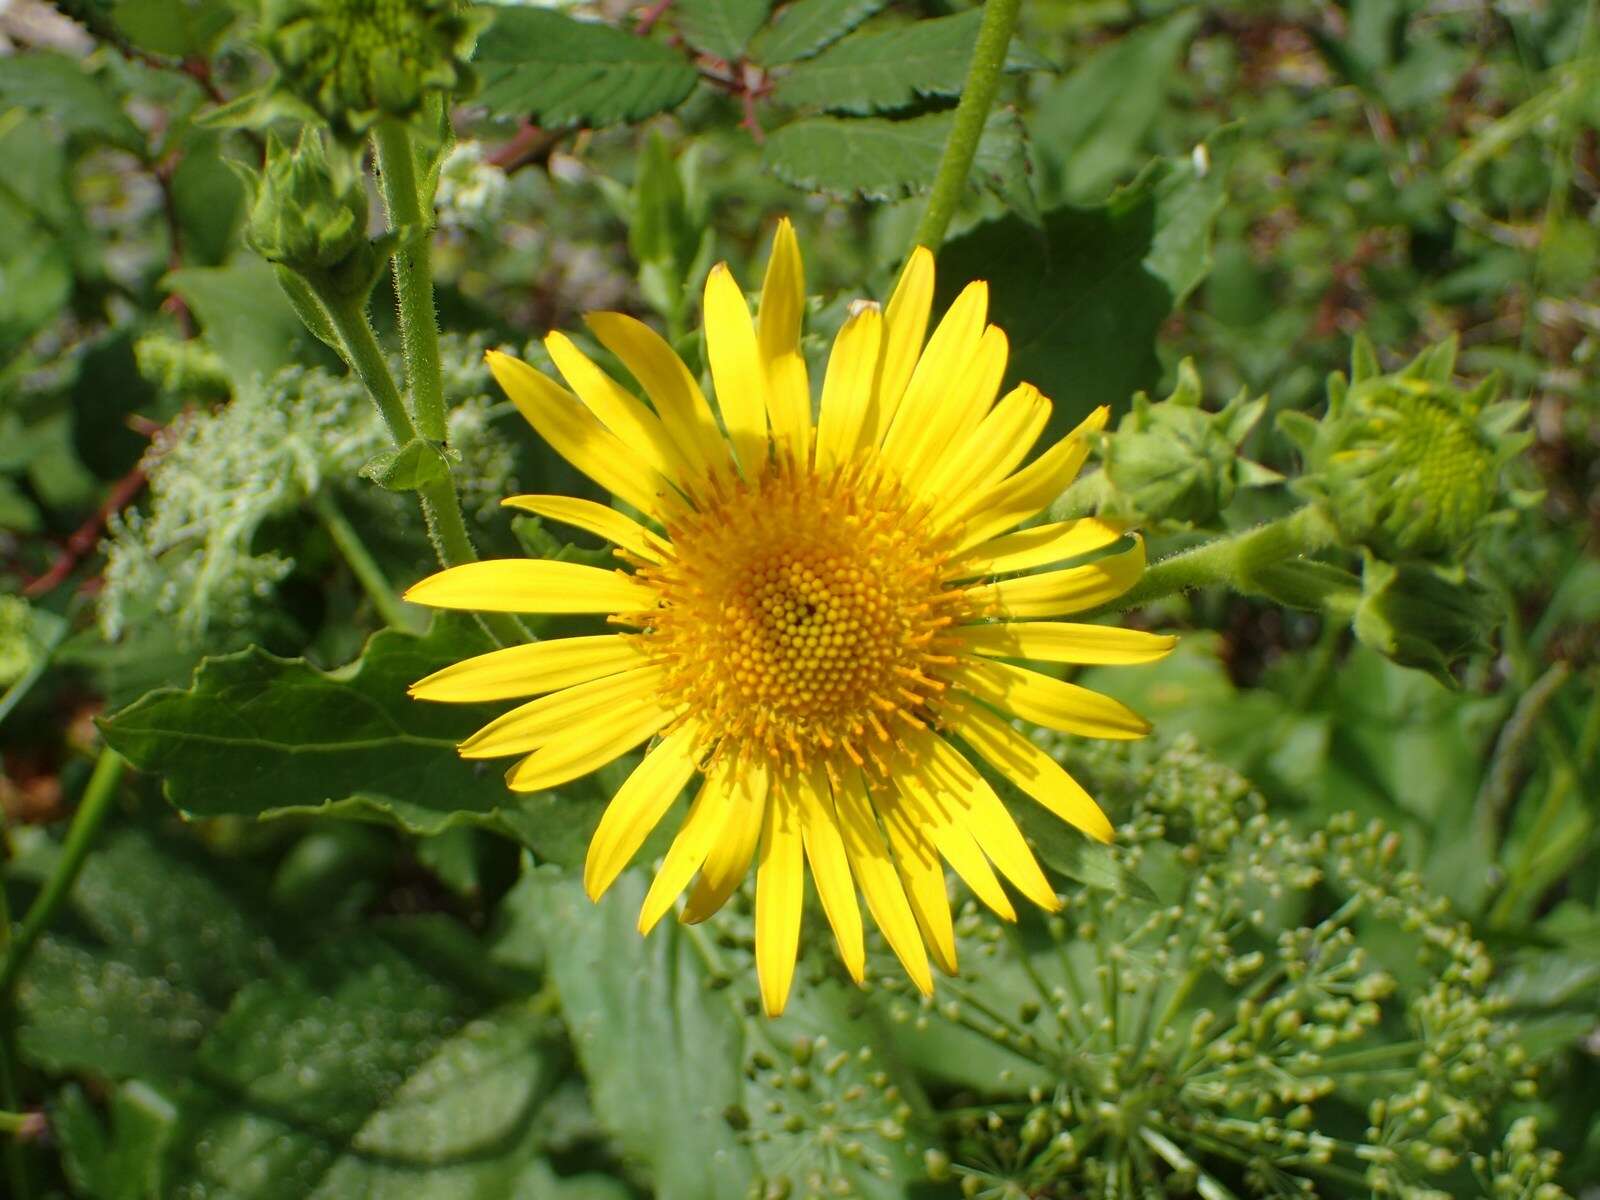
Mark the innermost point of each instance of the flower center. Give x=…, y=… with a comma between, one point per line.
x=804, y=616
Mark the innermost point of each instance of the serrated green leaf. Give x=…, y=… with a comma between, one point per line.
x=563, y=72
x=877, y=72
x=720, y=27
x=406, y=468
x=1084, y=299
x=807, y=26
x=50, y=83
x=882, y=159
x=261, y=736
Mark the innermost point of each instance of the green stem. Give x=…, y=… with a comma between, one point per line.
x=972, y=112
x=365, y=356
x=18, y=1122
x=91, y=814
x=1239, y=561
x=413, y=274
x=362, y=565
x=448, y=531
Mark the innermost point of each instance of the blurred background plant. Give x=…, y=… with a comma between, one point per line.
x=1349, y=940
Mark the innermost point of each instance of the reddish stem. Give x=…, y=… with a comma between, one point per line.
x=85, y=537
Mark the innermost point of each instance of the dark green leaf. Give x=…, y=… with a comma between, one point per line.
x=875, y=72
x=720, y=27
x=1070, y=853
x=108, y=390
x=60, y=86
x=261, y=736
x=882, y=159
x=807, y=26
x=207, y=199
x=1090, y=129
x=562, y=71
x=124, y=1162
x=1084, y=299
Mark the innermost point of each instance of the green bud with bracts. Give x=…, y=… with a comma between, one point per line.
x=1407, y=464
x=310, y=209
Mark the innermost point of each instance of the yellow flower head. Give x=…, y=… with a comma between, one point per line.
x=816, y=615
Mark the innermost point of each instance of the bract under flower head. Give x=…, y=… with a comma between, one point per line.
x=816, y=615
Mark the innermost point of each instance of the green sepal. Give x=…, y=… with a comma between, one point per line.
x=1422, y=617
x=409, y=467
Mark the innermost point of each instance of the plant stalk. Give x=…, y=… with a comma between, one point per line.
x=365, y=356
x=362, y=565
x=413, y=274
x=972, y=113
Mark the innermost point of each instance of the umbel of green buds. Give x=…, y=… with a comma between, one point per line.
x=358, y=61
x=1407, y=464
x=1174, y=461
x=308, y=215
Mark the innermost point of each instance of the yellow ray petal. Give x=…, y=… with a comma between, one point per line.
x=783, y=302
x=780, y=895
x=969, y=400
x=729, y=857
x=587, y=747
x=992, y=826
x=736, y=370
x=1013, y=500
x=1035, y=547
x=1057, y=593
x=700, y=830
x=905, y=322
x=1029, y=767
x=619, y=410
x=638, y=807
x=922, y=875
x=880, y=883
x=847, y=396
x=532, y=585
x=530, y=669
x=1001, y=441
x=926, y=803
x=830, y=869
x=671, y=388
x=531, y=725
x=1063, y=642
x=930, y=400
x=573, y=432
x=597, y=519
x=1050, y=702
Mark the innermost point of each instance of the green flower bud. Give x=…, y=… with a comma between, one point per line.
x=1406, y=464
x=358, y=61
x=1174, y=461
x=307, y=215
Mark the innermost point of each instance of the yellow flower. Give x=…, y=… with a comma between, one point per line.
x=818, y=615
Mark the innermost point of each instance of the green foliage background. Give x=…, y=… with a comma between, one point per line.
x=1349, y=941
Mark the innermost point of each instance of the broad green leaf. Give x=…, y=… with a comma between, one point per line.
x=875, y=72
x=1068, y=852
x=807, y=26
x=79, y=101
x=661, y=1050
x=1083, y=300
x=720, y=27
x=261, y=736
x=561, y=71
x=698, y=1086
x=243, y=315
x=407, y=468
x=882, y=159
x=288, y=1061
x=1089, y=130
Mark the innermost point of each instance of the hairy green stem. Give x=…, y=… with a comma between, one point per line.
x=972, y=112
x=413, y=274
x=91, y=814
x=448, y=531
x=365, y=356
x=1243, y=561
x=362, y=565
